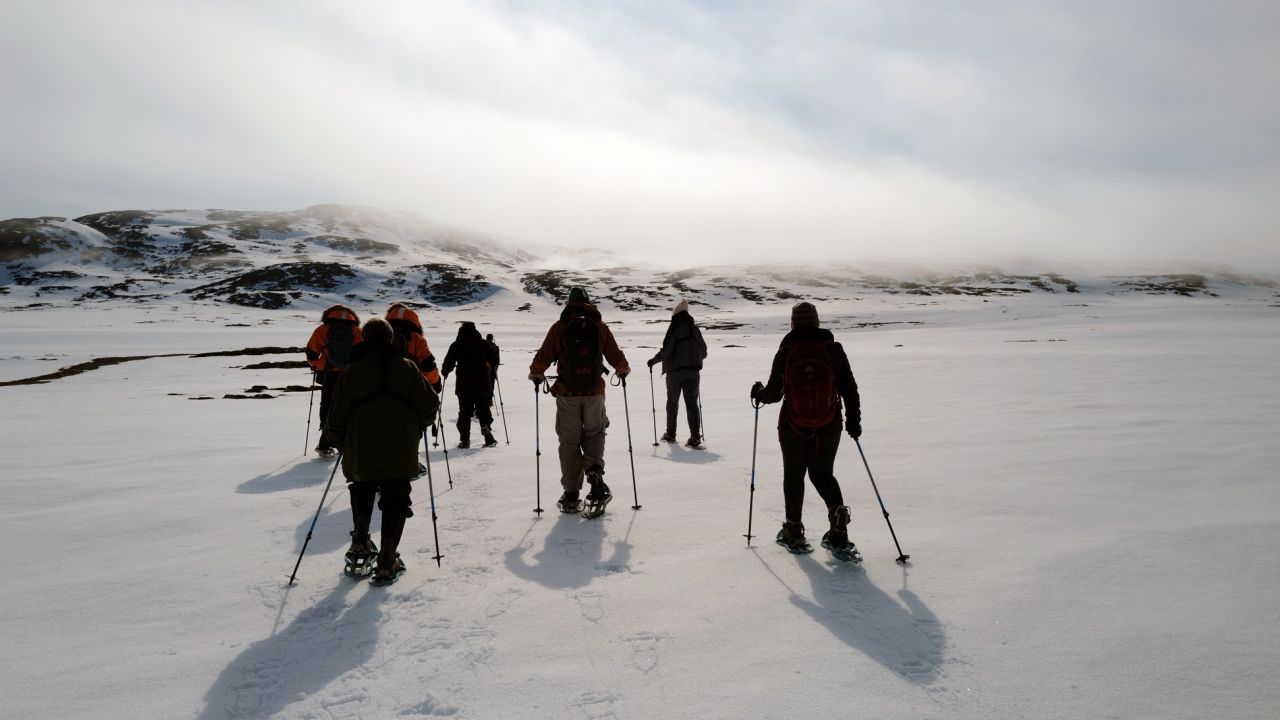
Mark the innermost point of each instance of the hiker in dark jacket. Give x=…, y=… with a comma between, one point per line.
x=579, y=392
x=811, y=376
x=497, y=360
x=475, y=361
x=381, y=407
x=681, y=355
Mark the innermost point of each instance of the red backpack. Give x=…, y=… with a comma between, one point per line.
x=809, y=383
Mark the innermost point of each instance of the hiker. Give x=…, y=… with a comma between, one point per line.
x=409, y=336
x=493, y=374
x=328, y=354
x=681, y=355
x=811, y=376
x=474, y=360
x=381, y=407
x=577, y=342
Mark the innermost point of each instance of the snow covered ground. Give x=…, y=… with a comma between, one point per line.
x=1086, y=485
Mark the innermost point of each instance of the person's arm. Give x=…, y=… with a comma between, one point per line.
x=546, y=354
x=848, y=389
x=772, y=391
x=335, y=424
x=612, y=352
x=315, y=348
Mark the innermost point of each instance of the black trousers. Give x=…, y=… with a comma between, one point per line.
x=813, y=454
x=393, y=500
x=683, y=382
x=473, y=404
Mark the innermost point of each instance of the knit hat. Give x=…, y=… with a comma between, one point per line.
x=682, y=306
x=578, y=295
x=804, y=315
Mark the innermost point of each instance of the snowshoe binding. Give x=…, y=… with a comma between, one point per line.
x=791, y=537
x=569, y=502
x=464, y=443
x=694, y=443
x=599, y=496
x=669, y=437
x=387, y=573
x=325, y=451
x=489, y=439
x=844, y=552
x=359, y=558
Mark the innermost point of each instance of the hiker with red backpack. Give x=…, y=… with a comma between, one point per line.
x=578, y=343
x=811, y=376
x=329, y=353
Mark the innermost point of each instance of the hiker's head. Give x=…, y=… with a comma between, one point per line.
x=804, y=315
x=578, y=295
x=377, y=331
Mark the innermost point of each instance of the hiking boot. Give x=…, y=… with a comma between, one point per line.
x=595, y=477
x=464, y=443
x=325, y=451
x=361, y=546
x=387, y=571
x=693, y=442
x=489, y=439
x=838, y=535
x=569, y=502
x=669, y=437
x=791, y=537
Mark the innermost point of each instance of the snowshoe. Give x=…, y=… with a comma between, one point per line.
x=669, y=437
x=844, y=552
x=694, y=443
x=464, y=443
x=359, y=559
x=569, y=502
x=599, y=496
x=387, y=574
x=325, y=451
x=489, y=439
x=791, y=537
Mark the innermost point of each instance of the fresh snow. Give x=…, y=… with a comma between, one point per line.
x=1085, y=484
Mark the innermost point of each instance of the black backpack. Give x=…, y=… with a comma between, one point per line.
x=582, y=362
x=338, y=345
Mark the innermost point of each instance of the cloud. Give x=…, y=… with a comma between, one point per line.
x=698, y=132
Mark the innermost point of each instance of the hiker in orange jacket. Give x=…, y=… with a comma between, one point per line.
x=408, y=329
x=329, y=353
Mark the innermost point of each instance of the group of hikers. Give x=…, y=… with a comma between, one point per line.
x=380, y=391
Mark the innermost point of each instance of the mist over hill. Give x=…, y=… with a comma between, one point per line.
x=338, y=253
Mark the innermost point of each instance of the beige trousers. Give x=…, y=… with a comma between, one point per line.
x=580, y=426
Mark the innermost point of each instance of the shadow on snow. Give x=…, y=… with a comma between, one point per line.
x=571, y=556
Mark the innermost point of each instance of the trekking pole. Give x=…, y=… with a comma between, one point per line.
x=306, y=542
x=310, y=404
x=537, y=443
x=702, y=417
x=627, y=410
x=751, y=504
x=443, y=439
x=653, y=403
x=902, y=557
x=502, y=409
x=435, y=533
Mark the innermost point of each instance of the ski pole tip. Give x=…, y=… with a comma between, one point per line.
x=902, y=559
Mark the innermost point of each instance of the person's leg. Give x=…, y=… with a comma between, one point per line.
x=793, y=468
x=395, y=505
x=569, y=431
x=690, y=388
x=820, y=460
x=594, y=424
x=328, y=381
x=466, y=406
x=484, y=414
x=673, y=405
x=363, y=495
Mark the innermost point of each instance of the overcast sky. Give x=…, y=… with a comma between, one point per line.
x=912, y=129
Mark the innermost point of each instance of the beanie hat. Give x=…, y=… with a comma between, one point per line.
x=377, y=332
x=804, y=315
x=578, y=295
x=682, y=306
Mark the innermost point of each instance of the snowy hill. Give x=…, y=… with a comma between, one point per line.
x=1081, y=466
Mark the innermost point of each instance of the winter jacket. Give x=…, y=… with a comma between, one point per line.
x=554, y=345
x=846, y=386
x=381, y=407
x=683, y=347
x=317, y=349
x=474, y=360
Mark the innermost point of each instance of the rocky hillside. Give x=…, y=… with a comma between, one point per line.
x=332, y=253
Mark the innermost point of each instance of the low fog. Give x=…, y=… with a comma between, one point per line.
x=1139, y=134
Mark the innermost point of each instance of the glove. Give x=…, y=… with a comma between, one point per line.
x=437, y=387
x=853, y=427
x=537, y=378
x=623, y=373
x=755, y=389
x=652, y=362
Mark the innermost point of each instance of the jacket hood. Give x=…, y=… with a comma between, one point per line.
x=807, y=333
x=577, y=308
x=368, y=349
x=468, y=331
x=340, y=313
x=401, y=312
